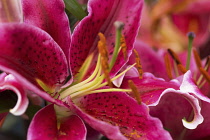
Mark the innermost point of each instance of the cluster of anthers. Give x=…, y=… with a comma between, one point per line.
x=100, y=80
x=179, y=67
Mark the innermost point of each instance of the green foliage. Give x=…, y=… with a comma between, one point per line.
x=75, y=9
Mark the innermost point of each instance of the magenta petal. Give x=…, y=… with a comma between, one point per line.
x=153, y=89
x=188, y=84
x=44, y=126
x=118, y=116
x=150, y=87
x=101, y=18
x=29, y=52
x=50, y=16
x=73, y=129
x=150, y=60
x=10, y=83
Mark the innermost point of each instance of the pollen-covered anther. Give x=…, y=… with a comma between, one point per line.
x=104, y=58
x=102, y=48
x=138, y=64
x=123, y=47
x=178, y=62
x=135, y=91
x=168, y=65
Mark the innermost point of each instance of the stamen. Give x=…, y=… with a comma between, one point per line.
x=134, y=91
x=138, y=64
x=178, y=62
x=191, y=36
x=168, y=66
x=104, y=58
x=206, y=68
x=84, y=69
x=119, y=26
x=69, y=90
x=116, y=77
x=207, y=64
x=205, y=74
x=123, y=47
x=174, y=56
x=182, y=68
x=197, y=58
x=100, y=91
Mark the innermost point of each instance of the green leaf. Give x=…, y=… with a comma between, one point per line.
x=75, y=9
x=31, y=110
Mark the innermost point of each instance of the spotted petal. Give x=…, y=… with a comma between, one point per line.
x=44, y=126
x=29, y=52
x=118, y=116
x=101, y=18
x=50, y=16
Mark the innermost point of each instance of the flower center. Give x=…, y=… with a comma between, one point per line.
x=100, y=80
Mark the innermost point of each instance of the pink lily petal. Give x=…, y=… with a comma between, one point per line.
x=29, y=53
x=10, y=83
x=150, y=87
x=117, y=116
x=153, y=89
x=188, y=85
x=202, y=132
x=50, y=16
x=44, y=126
x=150, y=60
x=101, y=18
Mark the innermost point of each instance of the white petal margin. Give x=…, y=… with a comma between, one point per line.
x=8, y=82
x=198, y=118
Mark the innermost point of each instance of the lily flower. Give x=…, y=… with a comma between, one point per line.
x=165, y=103
x=63, y=69
x=166, y=22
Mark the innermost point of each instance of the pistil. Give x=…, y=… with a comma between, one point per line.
x=191, y=36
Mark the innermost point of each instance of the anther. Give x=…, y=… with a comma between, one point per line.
x=135, y=91
x=182, y=68
x=197, y=58
x=178, y=62
x=104, y=58
x=102, y=46
x=168, y=66
x=138, y=64
x=174, y=56
x=123, y=47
